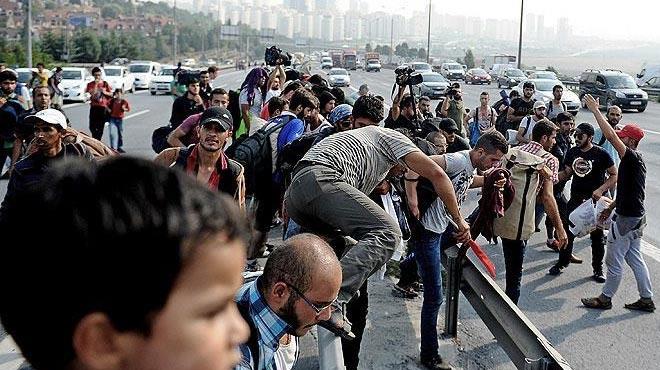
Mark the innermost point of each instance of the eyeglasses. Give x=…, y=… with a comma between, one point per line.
x=316, y=307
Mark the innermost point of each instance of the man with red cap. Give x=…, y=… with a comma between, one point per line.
x=628, y=222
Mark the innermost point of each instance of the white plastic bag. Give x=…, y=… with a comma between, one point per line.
x=583, y=220
x=602, y=204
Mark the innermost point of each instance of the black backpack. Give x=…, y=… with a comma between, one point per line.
x=159, y=138
x=292, y=153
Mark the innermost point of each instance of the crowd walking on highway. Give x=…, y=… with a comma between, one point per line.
x=159, y=264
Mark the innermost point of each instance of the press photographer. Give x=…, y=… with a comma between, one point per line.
x=403, y=113
x=453, y=107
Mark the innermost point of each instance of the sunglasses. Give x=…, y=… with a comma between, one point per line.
x=345, y=123
x=315, y=306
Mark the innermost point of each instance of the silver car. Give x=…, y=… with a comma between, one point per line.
x=433, y=85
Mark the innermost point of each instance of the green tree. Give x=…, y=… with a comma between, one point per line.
x=160, y=50
x=469, y=58
x=401, y=49
x=86, y=47
x=368, y=48
x=111, y=11
x=52, y=44
x=386, y=50
x=421, y=54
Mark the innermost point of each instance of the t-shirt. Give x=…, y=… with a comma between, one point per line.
x=272, y=93
x=257, y=103
x=461, y=173
x=458, y=144
x=456, y=111
x=529, y=122
x=97, y=98
x=522, y=108
x=607, y=146
x=117, y=108
x=589, y=170
x=552, y=110
x=631, y=185
x=362, y=157
x=486, y=117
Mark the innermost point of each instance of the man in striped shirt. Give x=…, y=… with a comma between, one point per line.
x=329, y=192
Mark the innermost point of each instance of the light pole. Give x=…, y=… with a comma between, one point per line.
x=174, y=43
x=522, y=6
x=29, y=35
x=428, y=38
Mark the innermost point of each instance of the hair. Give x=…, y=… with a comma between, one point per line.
x=424, y=98
x=212, y=69
x=203, y=72
x=107, y=246
x=325, y=98
x=297, y=261
x=291, y=86
x=96, y=69
x=119, y=89
x=40, y=64
x=556, y=87
x=318, y=90
x=529, y=84
x=305, y=98
x=251, y=82
x=543, y=127
x=338, y=93
x=435, y=136
x=317, y=79
x=614, y=107
x=219, y=91
x=36, y=89
x=514, y=93
x=369, y=107
x=491, y=142
x=484, y=93
x=407, y=101
x=8, y=75
x=276, y=103
x=564, y=116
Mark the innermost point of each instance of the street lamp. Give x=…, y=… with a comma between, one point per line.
x=522, y=6
x=428, y=38
x=29, y=34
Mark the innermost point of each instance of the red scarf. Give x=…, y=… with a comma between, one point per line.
x=192, y=167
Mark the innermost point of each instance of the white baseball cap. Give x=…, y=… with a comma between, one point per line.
x=538, y=104
x=50, y=115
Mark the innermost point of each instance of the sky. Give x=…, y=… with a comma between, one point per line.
x=637, y=20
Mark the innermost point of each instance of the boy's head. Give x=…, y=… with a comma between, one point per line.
x=118, y=93
x=135, y=264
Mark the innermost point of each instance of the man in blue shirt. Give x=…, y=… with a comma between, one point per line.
x=300, y=282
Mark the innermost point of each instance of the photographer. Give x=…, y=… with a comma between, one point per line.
x=402, y=114
x=276, y=80
x=453, y=107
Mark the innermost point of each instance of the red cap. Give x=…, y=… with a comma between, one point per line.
x=632, y=131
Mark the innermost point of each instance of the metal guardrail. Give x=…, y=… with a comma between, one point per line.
x=527, y=348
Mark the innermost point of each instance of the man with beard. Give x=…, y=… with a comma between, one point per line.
x=300, y=282
x=49, y=129
x=588, y=165
x=521, y=107
x=524, y=134
x=10, y=109
x=186, y=134
x=451, y=132
x=206, y=160
x=186, y=105
x=613, y=117
x=25, y=132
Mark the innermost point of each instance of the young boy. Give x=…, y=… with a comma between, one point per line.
x=117, y=107
x=135, y=266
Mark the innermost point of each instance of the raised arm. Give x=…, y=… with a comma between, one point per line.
x=608, y=132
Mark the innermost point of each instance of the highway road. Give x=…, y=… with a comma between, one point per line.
x=587, y=339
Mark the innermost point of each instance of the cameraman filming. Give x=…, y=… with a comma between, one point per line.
x=453, y=107
x=403, y=113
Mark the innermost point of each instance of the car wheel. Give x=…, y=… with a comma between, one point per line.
x=153, y=92
x=640, y=110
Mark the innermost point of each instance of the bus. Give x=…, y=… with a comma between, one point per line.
x=491, y=60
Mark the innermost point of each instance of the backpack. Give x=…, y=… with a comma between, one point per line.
x=254, y=153
x=518, y=220
x=159, y=138
x=549, y=106
x=501, y=124
x=292, y=153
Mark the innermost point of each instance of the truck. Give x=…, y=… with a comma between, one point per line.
x=372, y=62
x=337, y=58
x=350, y=60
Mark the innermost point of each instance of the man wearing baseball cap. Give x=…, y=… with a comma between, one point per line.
x=625, y=237
x=49, y=128
x=524, y=134
x=206, y=160
x=455, y=142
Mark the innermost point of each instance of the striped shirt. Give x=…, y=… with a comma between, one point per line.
x=364, y=156
x=550, y=160
x=271, y=328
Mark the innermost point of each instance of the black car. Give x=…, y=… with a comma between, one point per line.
x=613, y=87
x=510, y=78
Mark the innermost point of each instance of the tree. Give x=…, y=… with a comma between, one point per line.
x=368, y=48
x=110, y=11
x=401, y=49
x=86, y=47
x=160, y=50
x=469, y=58
x=421, y=54
x=386, y=50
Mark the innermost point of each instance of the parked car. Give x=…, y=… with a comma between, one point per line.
x=326, y=63
x=25, y=75
x=510, y=77
x=421, y=67
x=339, y=77
x=477, y=76
x=162, y=83
x=543, y=75
x=653, y=83
x=74, y=82
x=613, y=87
x=119, y=61
x=143, y=71
x=120, y=78
x=647, y=73
x=433, y=85
x=543, y=92
x=373, y=65
x=452, y=71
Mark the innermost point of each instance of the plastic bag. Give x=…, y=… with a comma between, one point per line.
x=583, y=220
x=602, y=204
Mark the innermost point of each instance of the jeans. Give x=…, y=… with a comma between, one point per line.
x=514, y=254
x=428, y=254
x=116, y=131
x=597, y=241
x=626, y=247
x=356, y=312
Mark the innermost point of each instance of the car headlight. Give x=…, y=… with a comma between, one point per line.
x=645, y=95
x=619, y=94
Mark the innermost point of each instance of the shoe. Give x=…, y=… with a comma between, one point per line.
x=575, y=259
x=436, y=363
x=338, y=323
x=555, y=270
x=641, y=305
x=404, y=291
x=554, y=245
x=598, y=277
x=596, y=302
x=120, y=150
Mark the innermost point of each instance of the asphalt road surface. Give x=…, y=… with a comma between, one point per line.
x=587, y=339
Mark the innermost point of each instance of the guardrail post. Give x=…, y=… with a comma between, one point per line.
x=454, y=267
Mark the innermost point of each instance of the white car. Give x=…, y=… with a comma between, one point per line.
x=74, y=83
x=162, y=83
x=326, y=63
x=189, y=62
x=120, y=78
x=543, y=92
x=339, y=77
x=143, y=71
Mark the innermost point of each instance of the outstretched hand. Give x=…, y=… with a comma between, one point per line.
x=592, y=103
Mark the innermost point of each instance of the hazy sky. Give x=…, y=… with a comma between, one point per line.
x=631, y=19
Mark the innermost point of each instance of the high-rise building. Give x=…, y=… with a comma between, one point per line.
x=323, y=5
x=564, y=29
x=339, y=29
x=327, y=28
x=540, y=27
x=530, y=25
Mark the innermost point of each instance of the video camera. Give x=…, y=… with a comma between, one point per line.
x=407, y=76
x=275, y=56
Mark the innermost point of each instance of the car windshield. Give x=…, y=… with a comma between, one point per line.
x=479, y=72
x=167, y=72
x=515, y=73
x=621, y=82
x=545, y=85
x=326, y=59
x=421, y=66
x=454, y=67
x=113, y=72
x=71, y=75
x=373, y=62
x=433, y=78
x=24, y=77
x=338, y=72
x=550, y=75
x=139, y=68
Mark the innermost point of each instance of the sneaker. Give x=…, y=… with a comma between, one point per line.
x=575, y=259
x=597, y=302
x=555, y=270
x=436, y=363
x=598, y=277
x=404, y=291
x=641, y=305
x=338, y=323
x=120, y=150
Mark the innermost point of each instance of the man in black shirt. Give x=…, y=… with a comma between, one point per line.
x=455, y=143
x=625, y=237
x=521, y=107
x=402, y=115
x=587, y=164
x=187, y=105
x=205, y=87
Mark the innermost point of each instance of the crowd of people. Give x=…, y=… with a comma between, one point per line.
x=162, y=244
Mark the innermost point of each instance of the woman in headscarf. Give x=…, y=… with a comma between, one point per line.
x=251, y=98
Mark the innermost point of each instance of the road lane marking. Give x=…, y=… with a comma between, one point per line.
x=140, y=91
x=137, y=114
x=650, y=250
x=72, y=105
x=652, y=132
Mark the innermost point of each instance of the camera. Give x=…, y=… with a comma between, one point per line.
x=453, y=93
x=407, y=76
x=275, y=56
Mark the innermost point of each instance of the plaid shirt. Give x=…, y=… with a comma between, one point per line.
x=550, y=160
x=271, y=328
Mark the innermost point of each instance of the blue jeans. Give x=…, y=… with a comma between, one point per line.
x=116, y=130
x=428, y=254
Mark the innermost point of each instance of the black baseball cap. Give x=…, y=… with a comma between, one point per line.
x=218, y=115
x=449, y=125
x=585, y=128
